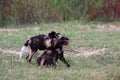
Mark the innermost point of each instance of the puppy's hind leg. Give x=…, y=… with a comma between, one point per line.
x=29, y=57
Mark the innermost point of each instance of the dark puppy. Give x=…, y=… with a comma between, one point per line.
x=40, y=42
x=51, y=56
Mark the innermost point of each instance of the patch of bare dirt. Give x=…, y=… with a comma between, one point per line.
x=36, y=28
x=78, y=53
x=10, y=51
x=3, y=51
x=86, y=53
x=8, y=30
x=91, y=52
x=101, y=27
x=108, y=27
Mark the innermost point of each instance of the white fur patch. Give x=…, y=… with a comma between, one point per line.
x=59, y=36
x=23, y=49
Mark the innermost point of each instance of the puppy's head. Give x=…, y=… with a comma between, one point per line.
x=58, y=39
x=62, y=40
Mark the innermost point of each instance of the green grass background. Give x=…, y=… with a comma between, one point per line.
x=95, y=67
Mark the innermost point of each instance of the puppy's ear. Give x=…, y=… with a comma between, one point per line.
x=52, y=34
x=57, y=34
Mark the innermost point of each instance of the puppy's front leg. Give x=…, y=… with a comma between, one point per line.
x=63, y=60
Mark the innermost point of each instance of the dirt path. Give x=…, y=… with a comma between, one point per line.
x=6, y=51
x=99, y=27
x=79, y=53
x=8, y=30
x=91, y=52
x=108, y=27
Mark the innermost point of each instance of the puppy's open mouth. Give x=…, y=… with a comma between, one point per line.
x=66, y=42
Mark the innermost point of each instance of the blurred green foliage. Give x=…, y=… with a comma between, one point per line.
x=37, y=11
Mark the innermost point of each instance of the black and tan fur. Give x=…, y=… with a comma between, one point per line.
x=50, y=57
x=39, y=42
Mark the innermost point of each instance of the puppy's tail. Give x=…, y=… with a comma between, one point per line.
x=23, y=49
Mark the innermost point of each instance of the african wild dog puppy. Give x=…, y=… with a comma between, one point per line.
x=41, y=42
x=50, y=57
